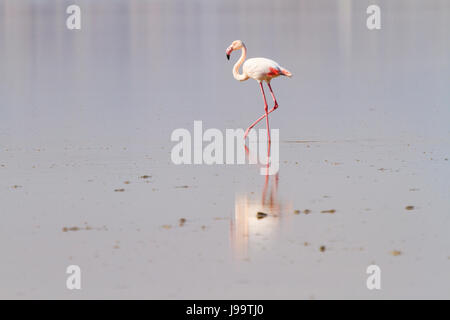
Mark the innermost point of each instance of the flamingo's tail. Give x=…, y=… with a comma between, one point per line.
x=286, y=73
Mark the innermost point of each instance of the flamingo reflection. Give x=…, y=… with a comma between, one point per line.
x=256, y=218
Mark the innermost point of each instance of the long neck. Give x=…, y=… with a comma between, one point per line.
x=236, y=75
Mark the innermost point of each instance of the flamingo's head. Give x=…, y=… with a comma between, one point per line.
x=236, y=45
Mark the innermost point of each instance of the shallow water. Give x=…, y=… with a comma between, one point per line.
x=363, y=129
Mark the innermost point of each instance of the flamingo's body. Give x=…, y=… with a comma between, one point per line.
x=260, y=69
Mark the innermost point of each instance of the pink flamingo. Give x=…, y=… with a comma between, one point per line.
x=260, y=69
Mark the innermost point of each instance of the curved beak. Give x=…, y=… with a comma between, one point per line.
x=228, y=52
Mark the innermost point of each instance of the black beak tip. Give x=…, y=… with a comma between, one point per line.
x=228, y=56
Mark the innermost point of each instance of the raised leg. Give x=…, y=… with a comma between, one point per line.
x=264, y=115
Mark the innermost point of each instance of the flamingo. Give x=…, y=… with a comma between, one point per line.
x=260, y=69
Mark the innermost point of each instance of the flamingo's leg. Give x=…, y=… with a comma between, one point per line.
x=275, y=106
x=266, y=109
x=264, y=115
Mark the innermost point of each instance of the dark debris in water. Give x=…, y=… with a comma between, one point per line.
x=306, y=211
x=396, y=253
x=66, y=229
x=261, y=215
